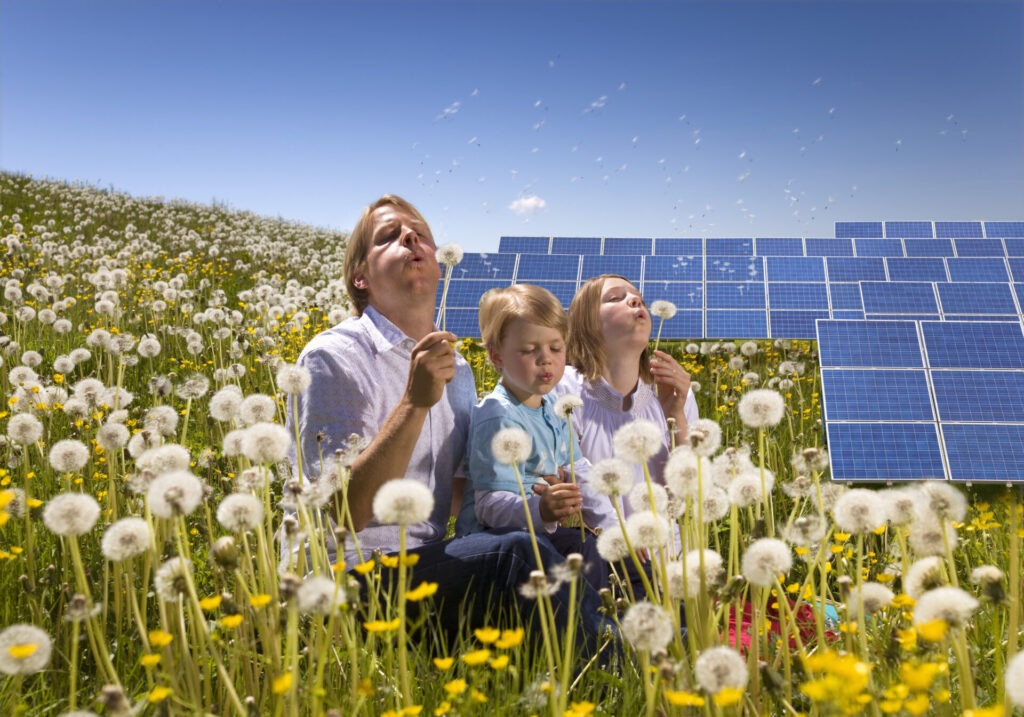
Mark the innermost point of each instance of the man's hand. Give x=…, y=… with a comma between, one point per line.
x=431, y=367
x=673, y=383
x=558, y=500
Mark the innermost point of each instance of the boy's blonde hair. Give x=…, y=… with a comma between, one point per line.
x=584, y=346
x=500, y=307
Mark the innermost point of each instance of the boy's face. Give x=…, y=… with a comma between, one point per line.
x=531, y=359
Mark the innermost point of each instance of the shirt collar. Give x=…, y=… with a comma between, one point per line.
x=384, y=334
x=610, y=398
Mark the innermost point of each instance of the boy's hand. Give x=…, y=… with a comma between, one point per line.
x=431, y=367
x=558, y=500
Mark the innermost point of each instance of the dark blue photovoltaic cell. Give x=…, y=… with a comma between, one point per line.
x=847, y=314
x=466, y=293
x=916, y=230
x=1014, y=247
x=485, y=266
x=898, y=297
x=741, y=295
x=958, y=229
x=977, y=269
x=980, y=317
x=729, y=247
x=876, y=395
x=829, y=247
x=685, y=295
x=976, y=298
x=1016, y=267
x=733, y=268
x=795, y=268
x=674, y=268
x=884, y=451
x=916, y=269
x=533, y=267
x=563, y=290
x=524, y=245
x=798, y=296
x=576, y=245
x=979, y=247
x=878, y=247
x=990, y=396
x=462, y=322
x=845, y=297
x=679, y=247
x=597, y=264
x=957, y=344
x=684, y=325
x=928, y=247
x=869, y=344
x=628, y=245
x=1019, y=290
x=902, y=317
x=859, y=229
x=794, y=324
x=737, y=325
x=1004, y=229
x=980, y=453
x=855, y=269
x=779, y=246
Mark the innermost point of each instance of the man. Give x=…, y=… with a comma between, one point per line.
x=388, y=375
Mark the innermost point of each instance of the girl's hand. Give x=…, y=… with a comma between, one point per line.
x=558, y=500
x=673, y=383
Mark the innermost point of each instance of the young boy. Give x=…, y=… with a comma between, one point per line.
x=523, y=328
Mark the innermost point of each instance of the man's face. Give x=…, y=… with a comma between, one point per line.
x=401, y=262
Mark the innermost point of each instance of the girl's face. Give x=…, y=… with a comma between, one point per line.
x=622, y=314
x=531, y=359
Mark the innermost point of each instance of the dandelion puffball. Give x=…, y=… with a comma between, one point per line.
x=638, y=440
x=239, y=512
x=566, y=404
x=173, y=494
x=449, y=254
x=762, y=408
x=511, y=446
x=647, y=627
x=71, y=514
x=24, y=649
x=68, y=455
x=125, y=539
x=663, y=309
x=720, y=667
x=403, y=501
x=953, y=605
x=765, y=560
x=611, y=476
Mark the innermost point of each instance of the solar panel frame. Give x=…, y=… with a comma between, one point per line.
x=524, y=245
x=684, y=294
x=551, y=267
x=916, y=269
x=880, y=452
x=984, y=453
x=853, y=395
x=878, y=247
x=979, y=247
x=733, y=268
x=715, y=246
x=673, y=268
x=794, y=268
x=979, y=396
x=629, y=245
x=800, y=296
x=973, y=344
x=676, y=246
x=576, y=245
x=789, y=324
x=983, y=269
x=899, y=297
x=735, y=324
x=850, y=269
x=976, y=298
x=475, y=265
x=862, y=344
x=829, y=247
x=779, y=246
x=1003, y=230
x=929, y=247
x=859, y=229
x=627, y=265
x=958, y=230
x=734, y=295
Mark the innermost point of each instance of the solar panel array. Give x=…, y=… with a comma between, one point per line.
x=910, y=400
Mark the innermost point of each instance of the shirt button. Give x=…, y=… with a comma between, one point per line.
x=408, y=344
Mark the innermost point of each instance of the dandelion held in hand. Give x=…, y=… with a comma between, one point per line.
x=449, y=255
x=511, y=446
x=664, y=310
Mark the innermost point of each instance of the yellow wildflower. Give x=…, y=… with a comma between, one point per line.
x=150, y=660
x=443, y=663
x=159, y=638
x=993, y=711
x=389, y=561
x=364, y=568
x=933, y=630
x=210, y=603
x=580, y=709
x=281, y=684
x=365, y=688
x=684, y=699
x=477, y=695
x=498, y=663
x=421, y=591
x=20, y=652
x=381, y=625
x=442, y=708
x=727, y=696
x=487, y=635
x=510, y=638
x=455, y=687
x=918, y=677
x=258, y=601
x=231, y=621
x=917, y=705
x=158, y=694
x=476, y=657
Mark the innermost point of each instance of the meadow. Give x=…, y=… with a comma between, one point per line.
x=146, y=351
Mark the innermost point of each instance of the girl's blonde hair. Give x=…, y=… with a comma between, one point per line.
x=500, y=307
x=584, y=345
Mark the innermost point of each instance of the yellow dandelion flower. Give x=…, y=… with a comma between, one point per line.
x=423, y=590
x=231, y=621
x=903, y=600
x=365, y=688
x=381, y=625
x=158, y=694
x=476, y=657
x=210, y=603
x=159, y=638
x=510, y=638
x=6, y=496
x=338, y=567
x=389, y=561
x=258, y=601
x=33, y=502
x=443, y=663
x=409, y=560
x=455, y=687
x=942, y=695
x=442, y=708
x=487, y=635
x=841, y=536
x=364, y=568
x=411, y=710
x=890, y=707
x=727, y=696
x=993, y=711
x=683, y=699
x=933, y=630
x=498, y=663
x=281, y=684
x=20, y=652
x=150, y=660
x=918, y=677
x=917, y=705
x=477, y=695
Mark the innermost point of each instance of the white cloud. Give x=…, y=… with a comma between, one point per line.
x=528, y=205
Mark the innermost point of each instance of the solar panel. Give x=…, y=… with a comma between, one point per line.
x=901, y=317
x=794, y=324
x=845, y=314
x=1014, y=247
x=466, y=293
x=563, y=290
x=984, y=452
x=684, y=294
x=1019, y=290
x=980, y=317
x=829, y=247
x=884, y=451
x=976, y=298
x=576, y=245
x=855, y=268
x=485, y=266
x=627, y=266
x=845, y=297
x=859, y=229
x=462, y=322
x=779, y=246
x=991, y=396
x=908, y=229
x=734, y=268
x=898, y=297
x=876, y=395
x=1004, y=229
x=928, y=247
x=628, y=245
x=916, y=269
x=979, y=247
x=798, y=296
x=534, y=267
x=878, y=247
x=735, y=295
x=1016, y=267
x=679, y=247
x=684, y=325
x=977, y=269
x=877, y=344
x=674, y=268
x=795, y=268
x=729, y=247
x=955, y=344
x=958, y=229
x=736, y=324
x=524, y=245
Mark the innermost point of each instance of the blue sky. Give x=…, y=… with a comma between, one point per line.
x=530, y=118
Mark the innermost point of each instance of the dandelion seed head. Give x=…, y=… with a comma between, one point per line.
x=611, y=477
x=765, y=560
x=748, y=348
x=225, y=403
x=68, y=455
x=162, y=419
x=682, y=470
x=985, y=574
x=951, y=604
x=149, y=347
x=319, y=595
x=705, y=436
x=449, y=254
x=1014, y=680
x=266, y=442
x=239, y=512
x=720, y=667
x=24, y=428
x=403, y=501
x=566, y=404
x=901, y=505
x=63, y=364
x=638, y=441
x=729, y=463
x=640, y=498
x=21, y=375
x=611, y=545
x=173, y=494
x=233, y=442
x=257, y=408
x=195, y=386
x=647, y=530
x=859, y=511
x=805, y=531
x=923, y=575
x=745, y=489
x=511, y=446
x=663, y=309
x=874, y=596
x=171, y=579
x=293, y=379
x=929, y=536
x=125, y=539
x=21, y=635
x=71, y=514
x=143, y=441
x=714, y=573
x=166, y=458
x=647, y=627
x=830, y=493
x=761, y=408
x=943, y=499
x=112, y=436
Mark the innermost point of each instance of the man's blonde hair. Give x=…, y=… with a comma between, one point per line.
x=584, y=346
x=359, y=247
x=500, y=307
